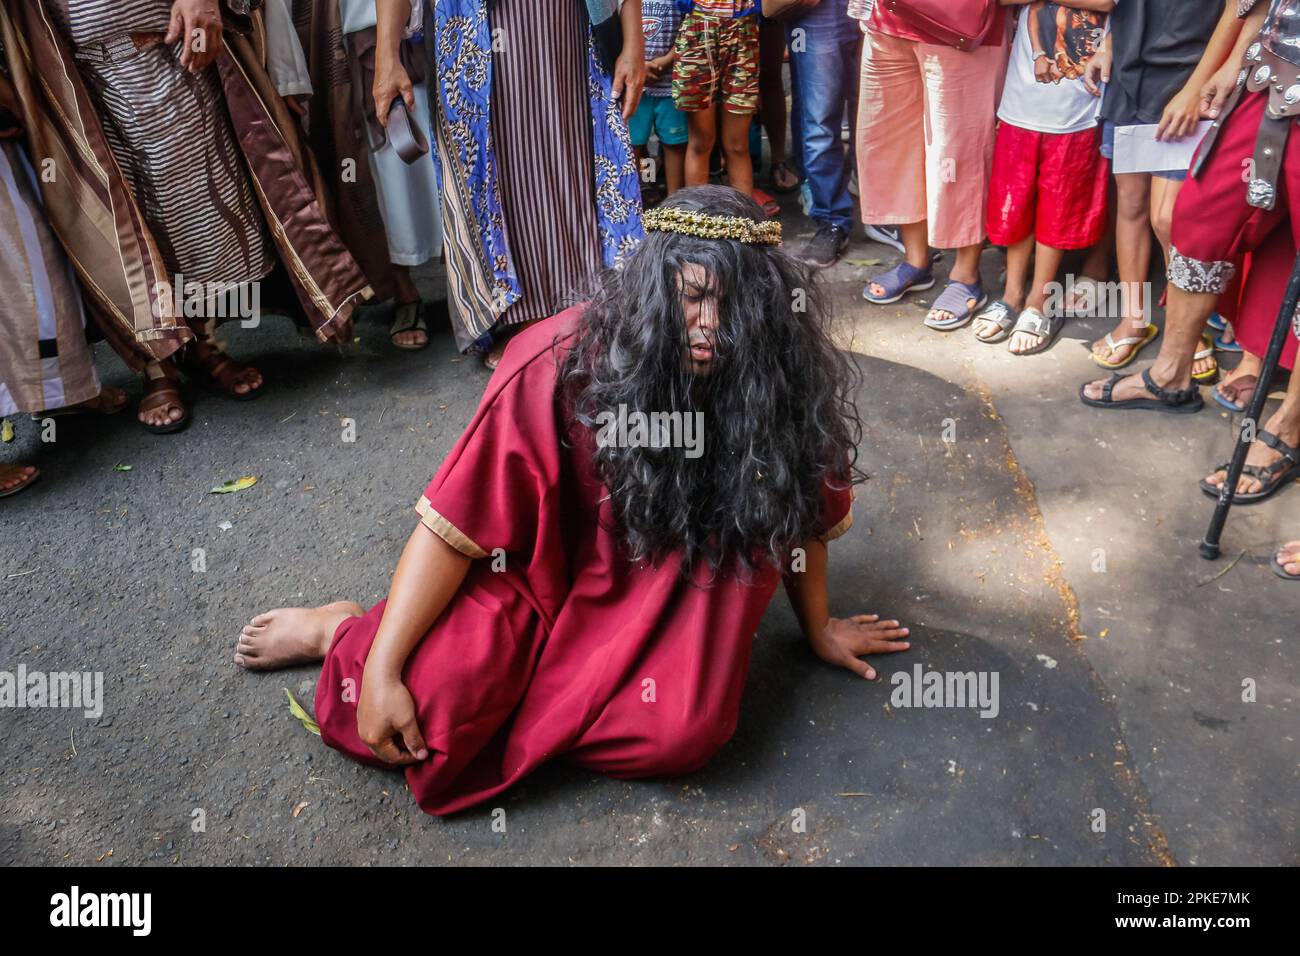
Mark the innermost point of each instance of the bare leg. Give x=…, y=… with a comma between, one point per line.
x=1047, y=262
x=735, y=146
x=1096, y=264
x=1164, y=193
x=1017, y=278
x=702, y=131
x=1018, y=271
x=1133, y=250
x=291, y=635
x=675, y=167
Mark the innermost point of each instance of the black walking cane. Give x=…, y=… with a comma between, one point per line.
x=1250, y=424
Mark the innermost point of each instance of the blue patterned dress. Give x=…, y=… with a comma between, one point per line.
x=537, y=174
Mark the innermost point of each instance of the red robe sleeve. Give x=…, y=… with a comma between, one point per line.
x=837, y=509
x=502, y=478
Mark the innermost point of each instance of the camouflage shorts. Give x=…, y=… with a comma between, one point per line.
x=717, y=62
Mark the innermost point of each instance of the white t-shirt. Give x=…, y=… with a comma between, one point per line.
x=1063, y=107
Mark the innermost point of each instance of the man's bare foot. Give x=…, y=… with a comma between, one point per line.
x=291, y=635
x=1288, y=556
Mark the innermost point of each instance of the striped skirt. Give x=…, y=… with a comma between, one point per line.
x=171, y=135
x=45, y=362
x=541, y=130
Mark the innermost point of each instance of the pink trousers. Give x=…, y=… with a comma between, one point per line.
x=926, y=116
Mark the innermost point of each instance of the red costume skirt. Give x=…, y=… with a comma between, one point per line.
x=1214, y=227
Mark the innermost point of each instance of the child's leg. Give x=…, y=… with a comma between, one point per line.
x=1013, y=294
x=1133, y=252
x=1047, y=262
x=1164, y=193
x=735, y=146
x=675, y=167
x=738, y=78
x=702, y=131
x=1018, y=272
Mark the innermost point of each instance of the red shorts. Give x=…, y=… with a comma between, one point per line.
x=1052, y=186
x=1214, y=226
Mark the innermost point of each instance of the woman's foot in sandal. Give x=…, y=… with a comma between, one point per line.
x=214, y=368
x=889, y=287
x=409, y=331
x=994, y=322
x=14, y=478
x=955, y=305
x=1272, y=461
x=1141, y=391
x=1121, y=345
x=1238, y=387
x=161, y=409
x=1286, y=561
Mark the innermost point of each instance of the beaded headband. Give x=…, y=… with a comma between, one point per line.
x=690, y=223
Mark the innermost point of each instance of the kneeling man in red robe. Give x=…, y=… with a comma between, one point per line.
x=594, y=556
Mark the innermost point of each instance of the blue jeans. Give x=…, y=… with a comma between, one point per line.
x=825, y=53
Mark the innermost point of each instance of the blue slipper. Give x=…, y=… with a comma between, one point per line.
x=899, y=281
x=955, y=298
x=1217, y=322
x=1223, y=346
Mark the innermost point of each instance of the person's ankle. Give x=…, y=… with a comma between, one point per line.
x=1285, y=424
x=1171, y=375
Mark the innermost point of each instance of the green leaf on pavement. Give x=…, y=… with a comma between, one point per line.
x=238, y=485
x=295, y=708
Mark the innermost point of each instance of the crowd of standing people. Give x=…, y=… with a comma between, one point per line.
x=167, y=165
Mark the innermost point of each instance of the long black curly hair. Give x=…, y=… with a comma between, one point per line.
x=779, y=418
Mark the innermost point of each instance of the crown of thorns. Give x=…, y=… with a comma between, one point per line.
x=690, y=223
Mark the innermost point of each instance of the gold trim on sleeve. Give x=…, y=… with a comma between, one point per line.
x=845, y=523
x=447, y=531
x=842, y=526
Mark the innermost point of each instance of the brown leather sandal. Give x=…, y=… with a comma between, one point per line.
x=163, y=393
x=22, y=482
x=218, y=372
